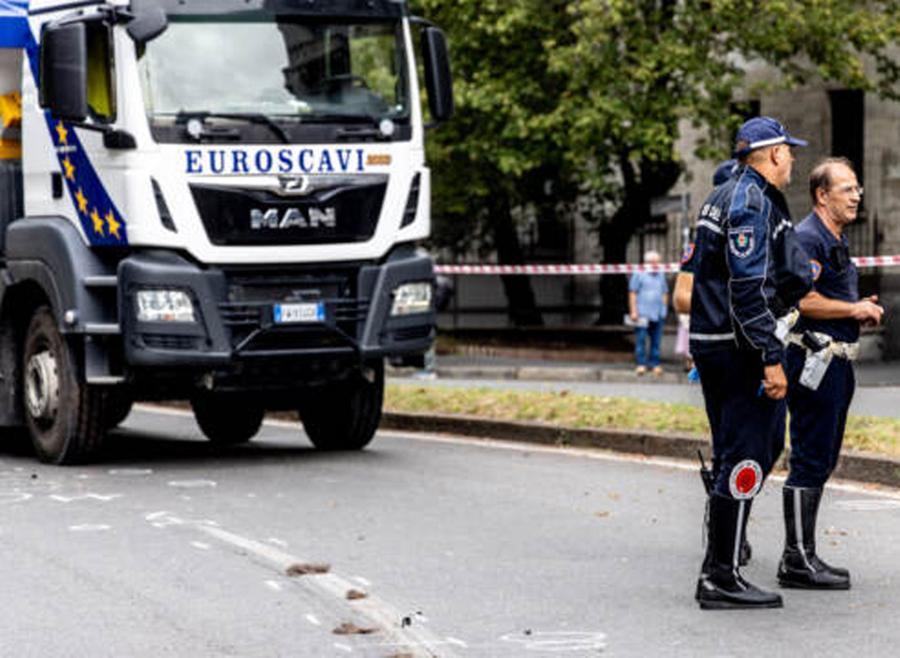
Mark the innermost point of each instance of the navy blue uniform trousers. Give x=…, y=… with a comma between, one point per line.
x=745, y=423
x=818, y=419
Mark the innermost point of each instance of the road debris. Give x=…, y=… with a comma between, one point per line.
x=349, y=628
x=307, y=569
x=355, y=594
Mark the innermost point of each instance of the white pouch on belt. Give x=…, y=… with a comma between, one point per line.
x=814, y=368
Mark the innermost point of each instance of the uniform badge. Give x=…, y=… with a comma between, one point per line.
x=688, y=254
x=746, y=480
x=740, y=241
x=816, y=268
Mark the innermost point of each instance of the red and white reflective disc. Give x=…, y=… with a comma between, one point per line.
x=746, y=480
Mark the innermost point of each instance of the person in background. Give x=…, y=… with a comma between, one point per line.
x=648, y=301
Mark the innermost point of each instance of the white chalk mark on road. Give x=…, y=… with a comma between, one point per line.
x=867, y=505
x=277, y=542
x=192, y=484
x=274, y=585
x=558, y=641
x=90, y=527
x=203, y=546
x=105, y=498
x=343, y=647
x=130, y=472
x=312, y=619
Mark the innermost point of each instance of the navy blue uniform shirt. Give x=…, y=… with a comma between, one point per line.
x=748, y=267
x=834, y=276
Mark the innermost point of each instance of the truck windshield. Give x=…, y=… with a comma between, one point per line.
x=285, y=67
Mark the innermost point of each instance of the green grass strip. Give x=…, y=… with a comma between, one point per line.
x=881, y=435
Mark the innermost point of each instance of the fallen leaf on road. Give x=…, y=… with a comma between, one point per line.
x=349, y=628
x=307, y=569
x=831, y=530
x=354, y=594
x=613, y=495
x=601, y=515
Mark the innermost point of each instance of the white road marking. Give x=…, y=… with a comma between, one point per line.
x=457, y=642
x=14, y=497
x=89, y=496
x=362, y=581
x=558, y=641
x=343, y=647
x=277, y=542
x=274, y=584
x=192, y=484
x=203, y=546
x=89, y=527
x=312, y=619
x=377, y=611
x=867, y=505
x=130, y=471
x=848, y=486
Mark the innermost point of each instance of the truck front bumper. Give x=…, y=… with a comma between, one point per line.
x=235, y=321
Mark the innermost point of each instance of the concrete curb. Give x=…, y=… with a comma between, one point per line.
x=853, y=465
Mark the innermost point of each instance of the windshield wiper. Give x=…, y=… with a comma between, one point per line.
x=253, y=117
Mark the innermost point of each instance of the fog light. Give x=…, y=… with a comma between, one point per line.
x=164, y=306
x=412, y=298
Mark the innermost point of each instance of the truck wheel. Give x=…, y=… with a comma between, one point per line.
x=65, y=417
x=227, y=419
x=118, y=406
x=344, y=415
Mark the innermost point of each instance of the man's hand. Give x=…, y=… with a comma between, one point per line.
x=634, y=316
x=774, y=382
x=867, y=312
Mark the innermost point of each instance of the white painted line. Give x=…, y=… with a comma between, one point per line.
x=312, y=619
x=90, y=496
x=378, y=612
x=89, y=527
x=343, y=647
x=879, y=491
x=130, y=471
x=867, y=505
x=192, y=484
x=15, y=497
x=457, y=642
x=201, y=545
x=362, y=581
x=277, y=542
x=274, y=584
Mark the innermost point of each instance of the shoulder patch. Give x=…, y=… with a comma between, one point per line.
x=754, y=198
x=816, y=268
x=741, y=241
x=688, y=254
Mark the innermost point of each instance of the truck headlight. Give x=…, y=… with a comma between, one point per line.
x=164, y=306
x=412, y=298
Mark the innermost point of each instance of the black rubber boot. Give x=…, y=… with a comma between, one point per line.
x=721, y=586
x=800, y=567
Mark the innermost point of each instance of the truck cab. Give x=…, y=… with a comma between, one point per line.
x=218, y=201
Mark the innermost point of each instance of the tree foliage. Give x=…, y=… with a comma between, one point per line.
x=593, y=93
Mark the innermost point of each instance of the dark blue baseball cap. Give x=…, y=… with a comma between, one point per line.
x=724, y=171
x=760, y=132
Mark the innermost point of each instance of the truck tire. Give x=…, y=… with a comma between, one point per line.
x=344, y=415
x=226, y=419
x=118, y=406
x=65, y=417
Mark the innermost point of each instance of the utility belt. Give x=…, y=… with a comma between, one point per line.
x=820, y=350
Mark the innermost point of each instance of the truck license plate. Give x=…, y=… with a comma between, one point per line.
x=296, y=313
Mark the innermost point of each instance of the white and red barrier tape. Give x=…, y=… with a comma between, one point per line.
x=620, y=268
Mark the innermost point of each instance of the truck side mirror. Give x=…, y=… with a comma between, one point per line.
x=437, y=74
x=64, y=71
x=148, y=23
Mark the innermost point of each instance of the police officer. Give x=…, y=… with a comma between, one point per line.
x=820, y=370
x=746, y=267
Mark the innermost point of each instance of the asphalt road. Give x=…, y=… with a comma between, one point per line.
x=169, y=548
x=867, y=400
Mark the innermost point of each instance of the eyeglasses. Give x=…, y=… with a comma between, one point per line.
x=850, y=189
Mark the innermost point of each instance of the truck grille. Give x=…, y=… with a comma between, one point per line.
x=247, y=217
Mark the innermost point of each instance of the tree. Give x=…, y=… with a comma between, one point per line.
x=637, y=68
x=499, y=151
x=593, y=92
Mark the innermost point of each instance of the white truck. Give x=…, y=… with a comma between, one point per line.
x=211, y=200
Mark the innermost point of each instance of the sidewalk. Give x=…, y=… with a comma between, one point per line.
x=547, y=365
